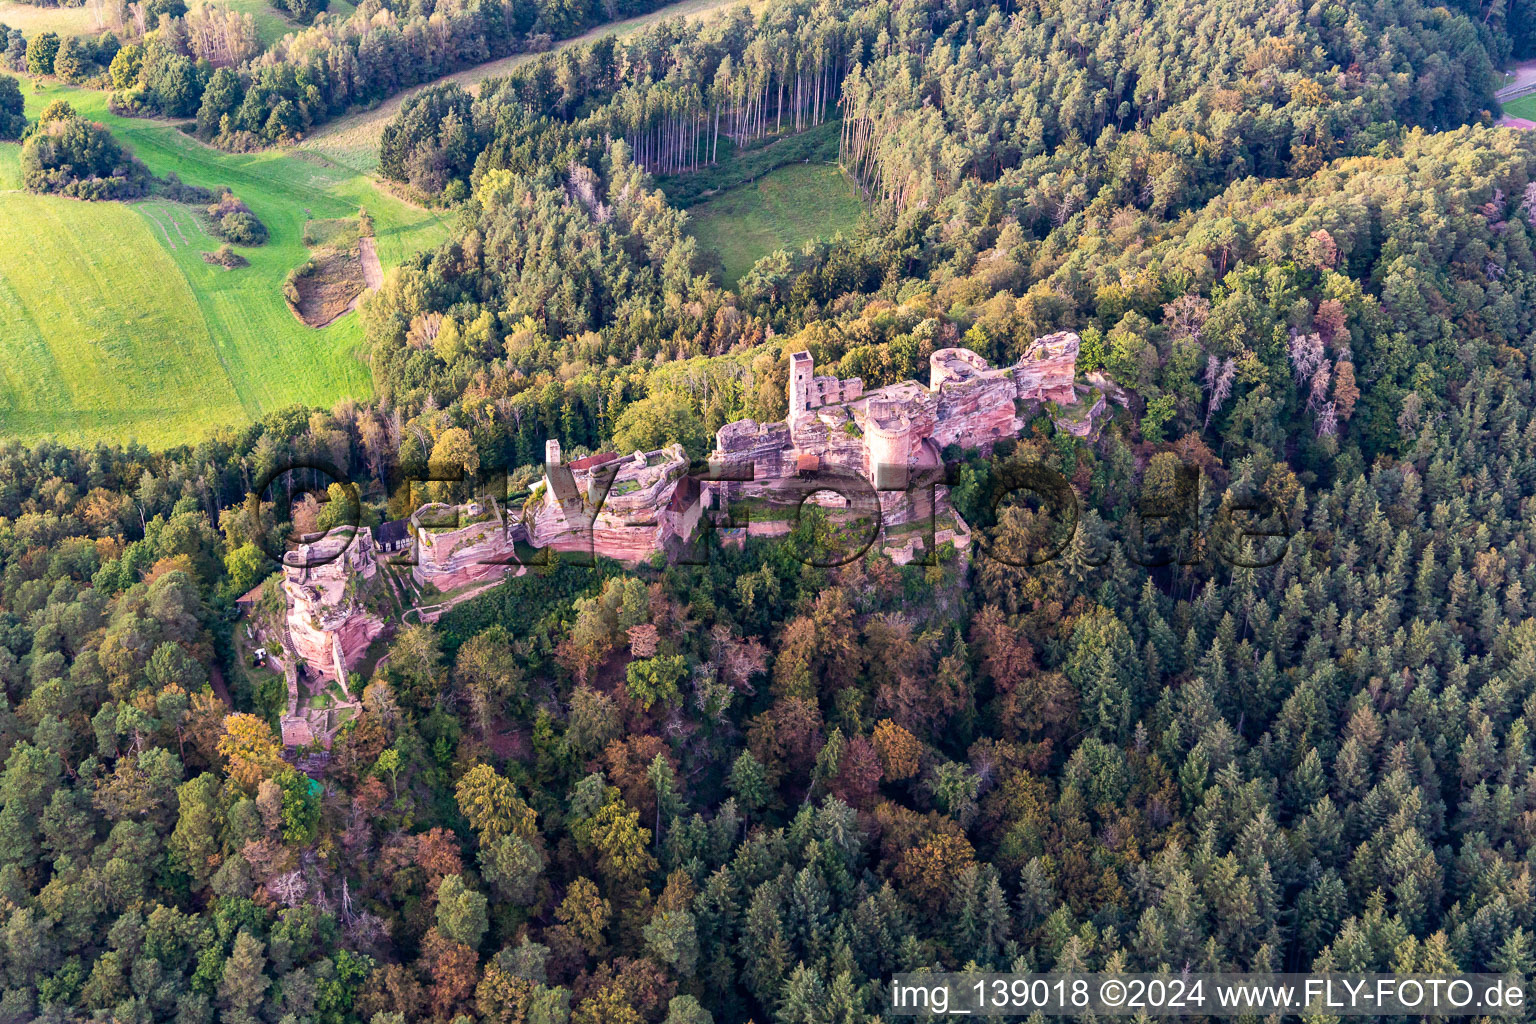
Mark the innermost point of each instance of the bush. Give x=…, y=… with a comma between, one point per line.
x=225, y=257
x=126, y=66
x=71, y=63
x=13, y=50
x=234, y=222
x=291, y=282
x=303, y=11
x=58, y=110
x=164, y=10
x=242, y=229
x=177, y=84
x=134, y=102
x=13, y=118
x=178, y=191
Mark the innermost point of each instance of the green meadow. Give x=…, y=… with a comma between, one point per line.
x=1524, y=107
x=113, y=327
x=781, y=210
x=271, y=24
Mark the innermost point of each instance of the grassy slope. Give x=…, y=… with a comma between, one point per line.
x=78, y=364
x=10, y=165
x=271, y=24
x=783, y=210
x=206, y=346
x=353, y=141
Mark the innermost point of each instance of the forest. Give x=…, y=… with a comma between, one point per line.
x=207, y=61
x=753, y=789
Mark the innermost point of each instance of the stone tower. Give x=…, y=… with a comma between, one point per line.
x=552, y=452
x=802, y=386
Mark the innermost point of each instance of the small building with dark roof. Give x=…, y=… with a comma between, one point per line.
x=393, y=535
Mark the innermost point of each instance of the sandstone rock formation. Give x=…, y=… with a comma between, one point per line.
x=456, y=545
x=327, y=624
x=876, y=453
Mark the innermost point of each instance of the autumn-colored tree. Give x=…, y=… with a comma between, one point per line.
x=628, y=762
x=502, y=997
x=900, y=752
x=787, y=737
x=250, y=750
x=928, y=869
x=454, y=969
x=858, y=773
x=1345, y=392
x=586, y=914
x=620, y=844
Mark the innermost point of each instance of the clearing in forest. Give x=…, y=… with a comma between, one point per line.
x=113, y=327
x=782, y=210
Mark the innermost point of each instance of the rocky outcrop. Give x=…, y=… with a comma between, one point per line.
x=622, y=508
x=459, y=545
x=328, y=625
x=855, y=452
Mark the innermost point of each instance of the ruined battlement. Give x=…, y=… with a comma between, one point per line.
x=631, y=507
x=893, y=432
x=608, y=504
x=460, y=544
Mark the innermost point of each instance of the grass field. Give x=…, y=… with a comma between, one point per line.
x=66, y=21
x=10, y=165
x=1524, y=107
x=113, y=327
x=782, y=210
x=271, y=24
x=353, y=141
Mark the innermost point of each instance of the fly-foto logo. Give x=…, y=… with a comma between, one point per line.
x=1027, y=515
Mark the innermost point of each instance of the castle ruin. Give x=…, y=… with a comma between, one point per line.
x=634, y=507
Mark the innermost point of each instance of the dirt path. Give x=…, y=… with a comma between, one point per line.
x=373, y=273
x=149, y=212
x=433, y=612
x=170, y=215
x=220, y=690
